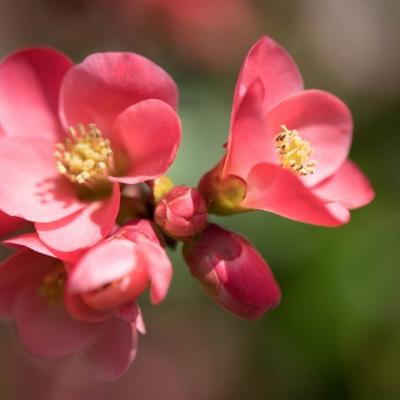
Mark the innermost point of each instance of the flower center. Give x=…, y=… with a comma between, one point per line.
x=85, y=156
x=294, y=152
x=52, y=286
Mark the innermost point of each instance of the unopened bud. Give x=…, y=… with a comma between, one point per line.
x=182, y=213
x=233, y=273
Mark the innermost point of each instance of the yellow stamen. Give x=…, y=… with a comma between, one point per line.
x=85, y=155
x=52, y=285
x=294, y=152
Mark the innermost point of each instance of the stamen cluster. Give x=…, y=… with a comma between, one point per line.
x=52, y=285
x=294, y=152
x=84, y=155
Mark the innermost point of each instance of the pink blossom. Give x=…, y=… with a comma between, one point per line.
x=232, y=272
x=109, y=277
x=72, y=133
x=288, y=147
x=182, y=213
x=32, y=292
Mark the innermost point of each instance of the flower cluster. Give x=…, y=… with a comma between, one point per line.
x=84, y=150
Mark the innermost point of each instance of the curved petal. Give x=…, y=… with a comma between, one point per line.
x=159, y=268
x=103, y=264
x=33, y=242
x=46, y=330
x=105, y=84
x=347, y=186
x=30, y=81
x=272, y=188
x=150, y=133
x=79, y=310
x=9, y=224
x=83, y=228
x=272, y=64
x=248, y=142
x=31, y=187
x=113, y=351
x=321, y=119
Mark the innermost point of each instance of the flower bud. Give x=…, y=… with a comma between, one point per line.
x=233, y=273
x=182, y=213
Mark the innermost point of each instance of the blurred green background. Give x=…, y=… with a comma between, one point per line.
x=336, y=334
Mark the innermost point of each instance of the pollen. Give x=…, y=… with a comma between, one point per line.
x=52, y=285
x=294, y=152
x=85, y=156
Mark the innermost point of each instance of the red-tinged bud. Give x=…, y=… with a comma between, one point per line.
x=224, y=194
x=182, y=213
x=233, y=273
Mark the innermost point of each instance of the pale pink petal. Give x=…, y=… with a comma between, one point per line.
x=150, y=134
x=159, y=268
x=248, y=142
x=109, y=261
x=104, y=84
x=9, y=224
x=113, y=351
x=321, y=119
x=30, y=82
x=278, y=72
x=31, y=187
x=272, y=188
x=139, y=228
x=46, y=330
x=348, y=186
x=33, y=242
x=83, y=228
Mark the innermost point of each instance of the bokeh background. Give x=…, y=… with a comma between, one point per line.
x=336, y=334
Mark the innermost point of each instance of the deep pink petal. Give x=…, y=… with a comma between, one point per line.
x=79, y=310
x=83, y=228
x=31, y=187
x=30, y=82
x=150, y=134
x=272, y=188
x=278, y=72
x=109, y=261
x=323, y=120
x=348, y=186
x=113, y=351
x=33, y=242
x=159, y=268
x=104, y=84
x=9, y=224
x=47, y=330
x=248, y=142
x=128, y=312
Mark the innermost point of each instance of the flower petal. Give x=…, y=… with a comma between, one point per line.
x=113, y=351
x=321, y=119
x=105, y=84
x=30, y=82
x=159, y=268
x=31, y=187
x=348, y=186
x=83, y=228
x=278, y=72
x=103, y=264
x=248, y=142
x=150, y=134
x=9, y=224
x=272, y=188
x=33, y=242
x=47, y=330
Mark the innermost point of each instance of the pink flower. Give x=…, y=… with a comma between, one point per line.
x=72, y=133
x=288, y=147
x=109, y=277
x=232, y=272
x=32, y=293
x=182, y=213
